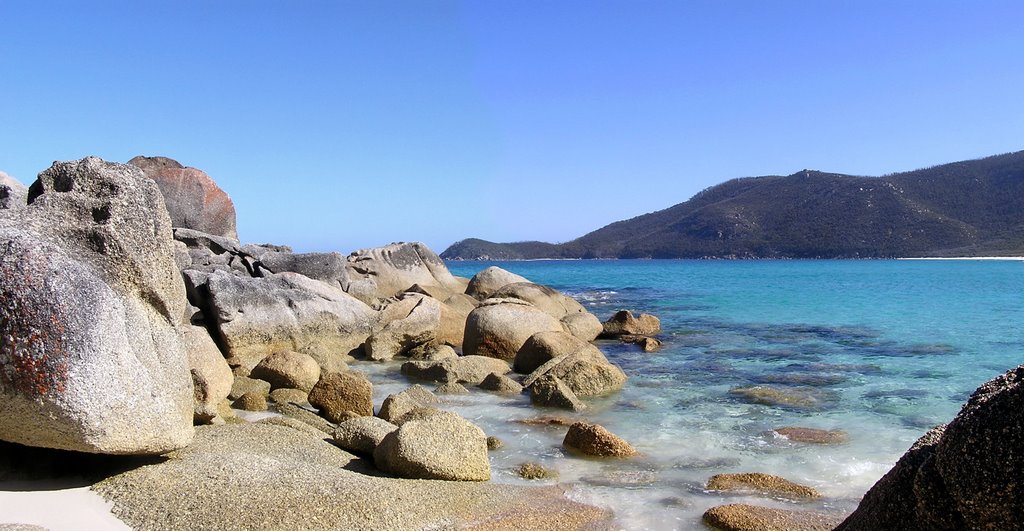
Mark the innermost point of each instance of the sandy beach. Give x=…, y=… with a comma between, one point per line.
x=57, y=506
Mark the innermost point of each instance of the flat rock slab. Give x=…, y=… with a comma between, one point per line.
x=261, y=476
x=742, y=517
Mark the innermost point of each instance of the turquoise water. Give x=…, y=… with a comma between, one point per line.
x=886, y=349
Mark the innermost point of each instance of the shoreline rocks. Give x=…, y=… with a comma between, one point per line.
x=595, y=440
x=766, y=484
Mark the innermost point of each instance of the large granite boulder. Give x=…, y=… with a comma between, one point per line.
x=441, y=446
x=384, y=272
x=463, y=369
x=13, y=194
x=549, y=391
x=454, y=312
x=91, y=299
x=211, y=376
x=325, y=267
x=965, y=475
x=412, y=321
x=586, y=371
x=543, y=347
x=362, y=435
x=498, y=328
x=624, y=323
x=288, y=370
x=486, y=282
x=595, y=440
x=339, y=393
x=286, y=311
x=399, y=405
x=574, y=318
x=193, y=200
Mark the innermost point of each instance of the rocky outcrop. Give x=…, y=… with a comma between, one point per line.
x=965, y=475
x=549, y=391
x=624, y=323
x=543, y=347
x=486, y=282
x=415, y=321
x=586, y=371
x=193, y=200
x=385, y=272
x=211, y=377
x=501, y=384
x=574, y=318
x=595, y=440
x=743, y=517
x=500, y=327
x=256, y=317
x=463, y=369
x=287, y=369
x=441, y=446
x=338, y=393
x=362, y=435
x=766, y=484
x=13, y=194
x=646, y=343
x=91, y=304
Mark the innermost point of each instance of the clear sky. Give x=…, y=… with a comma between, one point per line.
x=341, y=125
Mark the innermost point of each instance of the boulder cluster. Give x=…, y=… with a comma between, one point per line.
x=132, y=312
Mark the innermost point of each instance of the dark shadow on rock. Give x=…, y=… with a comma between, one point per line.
x=24, y=468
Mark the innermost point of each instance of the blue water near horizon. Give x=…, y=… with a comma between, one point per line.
x=880, y=349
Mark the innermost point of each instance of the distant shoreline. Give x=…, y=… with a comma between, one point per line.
x=772, y=259
x=1007, y=258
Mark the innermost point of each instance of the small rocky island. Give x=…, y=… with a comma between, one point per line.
x=137, y=327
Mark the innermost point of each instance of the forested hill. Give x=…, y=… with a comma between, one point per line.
x=970, y=208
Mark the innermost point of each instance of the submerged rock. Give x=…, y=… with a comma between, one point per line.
x=791, y=397
x=761, y=483
x=812, y=435
x=743, y=517
x=595, y=440
x=536, y=471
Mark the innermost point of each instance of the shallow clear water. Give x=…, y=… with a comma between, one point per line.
x=887, y=349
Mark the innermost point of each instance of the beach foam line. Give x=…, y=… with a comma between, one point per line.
x=55, y=506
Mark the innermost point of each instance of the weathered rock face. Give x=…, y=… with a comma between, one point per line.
x=463, y=369
x=965, y=475
x=288, y=370
x=286, y=311
x=13, y=194
x=211, y=377
x=486, y=282
x=623, y=323
x=418, y=326
x=595, y=440
x=454, y=312
x=362, y=435
x=574, y=318
x=193, y=200
x=441, y=446
x=91, y=299
x=338, y=393
x=386, y=271
x=500, y=327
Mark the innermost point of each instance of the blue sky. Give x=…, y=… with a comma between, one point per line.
x=342, y=125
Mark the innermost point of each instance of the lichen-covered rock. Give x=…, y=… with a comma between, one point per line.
x=211, y=377
x=743, y=517
x=442, y=446
x=595, y=440
x=287, y=369
x=418, y=325
x=463, y=369
x=486, y=282
x=498, y=328
x=502, y=384
x=193, y=200
x=624, y=323
x=337, y=393
x=385, y=272
x=362, y=435
x=91, y=300
x=766, y=484
x=549, y=391
x=965, y=475
x=286, y=311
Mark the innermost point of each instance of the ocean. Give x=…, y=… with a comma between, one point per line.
x=880, y=349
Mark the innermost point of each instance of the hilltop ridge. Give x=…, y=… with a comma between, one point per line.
x=966, y=208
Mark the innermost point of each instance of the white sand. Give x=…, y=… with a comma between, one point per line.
x=55, y=506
